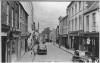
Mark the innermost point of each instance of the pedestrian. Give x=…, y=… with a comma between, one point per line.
x=59, y=45
x=34, y=51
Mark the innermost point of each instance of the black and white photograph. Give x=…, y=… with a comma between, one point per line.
x=50, y=31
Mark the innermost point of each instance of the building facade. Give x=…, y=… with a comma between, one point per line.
x=28, y=6
x=57, y=34
x=24, y=29
x=10, y=30
x=52, y=36
x=75, y=17
x=63, y=28
x=79, y=30
x=14, y=25
x=83, y=28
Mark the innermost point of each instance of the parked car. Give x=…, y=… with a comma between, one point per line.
x=42, y=49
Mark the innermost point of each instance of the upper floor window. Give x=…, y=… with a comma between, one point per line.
x=7, y=14
x=80, y=21
x=76, y=7
x=72, y=24
x=94, y=21
x=72, y=11
x=87, y=22
x=12, y=16
x=76, y=23
x=69, y=25
x=16, y=20
x=79, y=5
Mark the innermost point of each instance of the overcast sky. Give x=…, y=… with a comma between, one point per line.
x=47, y=13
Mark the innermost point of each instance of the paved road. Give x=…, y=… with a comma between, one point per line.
x=53, y=54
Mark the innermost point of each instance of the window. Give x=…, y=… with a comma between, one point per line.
x=16, y=20
x=80, y=22
x=94, y=22
x=7, y=14
x=76, y=23
x=87, y=22
x=72, y=11
x=12, y=16
x=72, y=24
x=76, y=7
x=79, y=5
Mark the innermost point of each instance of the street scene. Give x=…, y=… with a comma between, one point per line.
x=54, y=54
x=34, y=31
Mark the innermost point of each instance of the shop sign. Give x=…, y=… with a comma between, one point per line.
x=64, y=35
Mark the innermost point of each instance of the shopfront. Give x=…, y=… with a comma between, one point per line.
x=5, y=44
x=65, y=40
x=92, y=43
x=74, y=40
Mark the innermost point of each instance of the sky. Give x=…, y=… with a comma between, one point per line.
x=47, y=13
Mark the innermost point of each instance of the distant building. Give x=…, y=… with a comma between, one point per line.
x=57, y=34
x=63, y=31
x=52, y=35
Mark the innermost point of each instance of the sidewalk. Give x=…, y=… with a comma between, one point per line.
x=13, y=58
x=65, y=49
x=28, y=57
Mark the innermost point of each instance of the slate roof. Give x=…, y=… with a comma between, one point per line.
x=94, y=7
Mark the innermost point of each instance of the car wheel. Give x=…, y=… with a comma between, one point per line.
x=46, y=53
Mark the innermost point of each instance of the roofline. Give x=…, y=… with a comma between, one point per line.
x=70, y=4
x=64, y=17
x=23, y=8
x=91, y=10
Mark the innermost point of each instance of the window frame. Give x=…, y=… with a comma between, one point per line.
x=12, y=16
x=7, y=14
x=94, y=21
x=87, y=22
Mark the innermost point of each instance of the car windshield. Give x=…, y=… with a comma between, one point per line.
x=41, y=45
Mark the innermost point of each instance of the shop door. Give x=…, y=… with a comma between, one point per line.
x=97, y=47
x=3, y=49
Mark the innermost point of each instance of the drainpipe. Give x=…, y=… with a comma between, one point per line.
x=99, y=31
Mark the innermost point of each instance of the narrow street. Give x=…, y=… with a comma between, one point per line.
x=50, y=31
x=54, y=54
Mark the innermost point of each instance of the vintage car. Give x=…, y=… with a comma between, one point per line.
x=42, y=49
